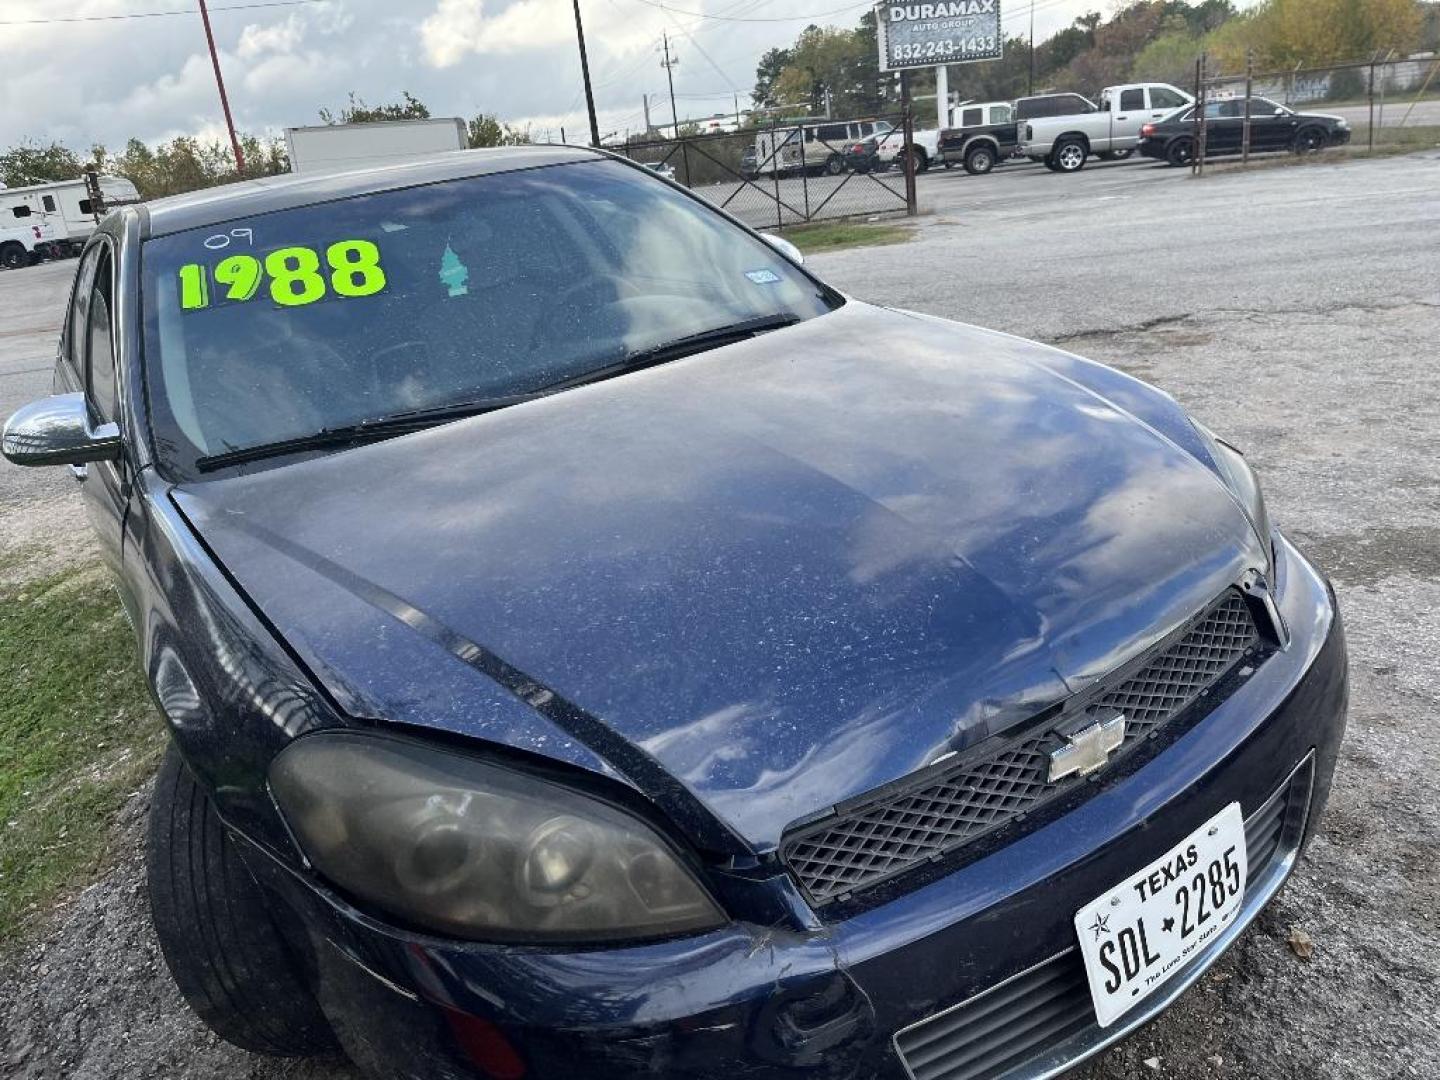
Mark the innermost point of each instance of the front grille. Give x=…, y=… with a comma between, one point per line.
x=999, y=1032
x=880, y=838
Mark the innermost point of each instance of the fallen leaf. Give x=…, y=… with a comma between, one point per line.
x=1300, y=943
x=1152, y=1063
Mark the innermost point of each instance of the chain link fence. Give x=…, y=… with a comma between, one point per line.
x=789, y=174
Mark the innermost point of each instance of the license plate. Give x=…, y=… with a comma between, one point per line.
x=1137, y=935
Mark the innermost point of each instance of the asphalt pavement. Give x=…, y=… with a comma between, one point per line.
x=1296, y=311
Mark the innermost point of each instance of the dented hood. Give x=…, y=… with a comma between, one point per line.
x=769, y=577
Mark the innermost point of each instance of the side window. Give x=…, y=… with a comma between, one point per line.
x=1001, y=114
x=832, y=133
x=74, y=344
x=21, y=211
x=866, y=130
x=1074, y=103
x=100, y=345
x=1162, y=97
x=971, y=117
x=1132, y=99
x=85, y=206
x=49, y=203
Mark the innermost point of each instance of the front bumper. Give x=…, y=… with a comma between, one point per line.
x=831, y=1001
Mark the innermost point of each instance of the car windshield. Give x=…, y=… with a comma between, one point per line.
x=283, y=325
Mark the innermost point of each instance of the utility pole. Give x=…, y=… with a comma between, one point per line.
x=1031, y=83
x=942, y=96
x=737, y=110
x=645, y=104
x=668, y=63
x=220, y=82
x=585, y=74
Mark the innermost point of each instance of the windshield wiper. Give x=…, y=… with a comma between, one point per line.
x=370, y=430
x=403, y=423
x=677, y=348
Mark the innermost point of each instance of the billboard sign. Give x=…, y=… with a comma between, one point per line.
x=942, y=32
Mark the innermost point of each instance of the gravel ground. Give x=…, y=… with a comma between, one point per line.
x=1295, y=311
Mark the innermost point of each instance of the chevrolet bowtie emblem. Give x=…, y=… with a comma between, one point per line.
x=1088, y=749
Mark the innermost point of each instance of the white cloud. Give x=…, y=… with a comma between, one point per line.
x=257, y=39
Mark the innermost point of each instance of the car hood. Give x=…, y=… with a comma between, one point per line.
x=757, y=581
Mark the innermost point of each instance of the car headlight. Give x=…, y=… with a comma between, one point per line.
x=479, y=851
x=1240, y=478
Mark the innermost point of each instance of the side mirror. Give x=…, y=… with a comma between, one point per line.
x=785, y=247
x=56, y=431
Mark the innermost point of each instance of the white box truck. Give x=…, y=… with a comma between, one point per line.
x=63, y=209
x=339, y=147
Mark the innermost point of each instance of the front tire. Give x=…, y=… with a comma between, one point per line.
x=13, y=256
x=228, y=958
x=834, y=165
x=1310, y=141
x=1069, y=156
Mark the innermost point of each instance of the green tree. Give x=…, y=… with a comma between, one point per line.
x=357, y=111
x=772, y=63
x=33, y=163
x=485, y=130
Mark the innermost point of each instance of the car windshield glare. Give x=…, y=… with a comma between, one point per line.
x=307, y=320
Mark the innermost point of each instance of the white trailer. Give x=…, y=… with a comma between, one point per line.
x=338, y=147
x=63, y=207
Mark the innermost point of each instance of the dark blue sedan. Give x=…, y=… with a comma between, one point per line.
x=587, y=655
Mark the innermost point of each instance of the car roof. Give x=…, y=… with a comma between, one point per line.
x=214, y=206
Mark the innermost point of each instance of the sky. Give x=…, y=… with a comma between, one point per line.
x=89, y=71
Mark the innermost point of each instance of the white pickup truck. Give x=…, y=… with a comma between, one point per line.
x=1064, y=143
x=21, y=245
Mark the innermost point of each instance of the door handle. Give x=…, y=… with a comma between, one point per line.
x=80, y=472
x=1122, y=118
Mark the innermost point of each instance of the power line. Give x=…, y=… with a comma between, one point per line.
x=158, y=14
x=748, y=18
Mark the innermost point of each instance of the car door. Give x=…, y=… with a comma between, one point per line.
x=1224, y=126
x=104, y=484
x=1269, y=131
x=1127, y=114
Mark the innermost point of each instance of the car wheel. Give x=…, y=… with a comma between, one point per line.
x=979, y=161
x=1309, y=141
x=1069, y=156
x=834, y=165
x=922, y=163
x=1180, y=152
x=13, y=256
x=228, y=958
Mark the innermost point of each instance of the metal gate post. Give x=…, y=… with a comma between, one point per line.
x=804, y=169
x=776, y=159
x=1197, y=167
x=1371, y=95
x=907, y=127
x=1249, y=79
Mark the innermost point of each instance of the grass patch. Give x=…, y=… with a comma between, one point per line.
x=77, y=735
x=834, y=235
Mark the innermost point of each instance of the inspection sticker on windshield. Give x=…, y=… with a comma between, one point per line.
x=762, y=277
x=1137, y=935
x=293, y=276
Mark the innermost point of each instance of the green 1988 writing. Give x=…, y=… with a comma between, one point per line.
x=294, y=275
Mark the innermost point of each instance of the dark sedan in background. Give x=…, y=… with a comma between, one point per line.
x=585, y=656
x=1273, y=128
